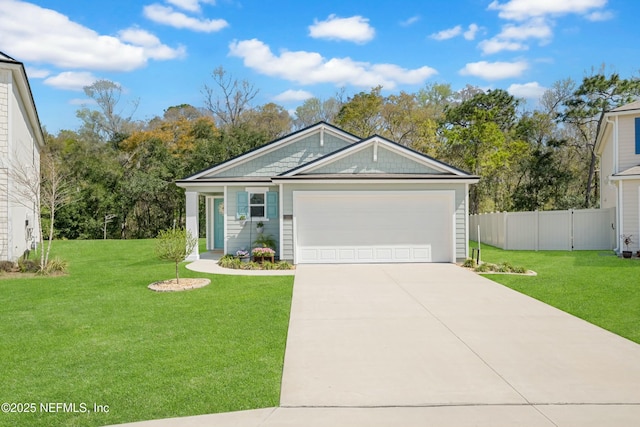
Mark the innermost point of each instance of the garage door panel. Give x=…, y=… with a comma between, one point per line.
x=374, y=227
x=316, y=255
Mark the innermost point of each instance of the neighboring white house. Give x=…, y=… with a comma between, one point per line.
x=21, y=139
x=327, y=196
x=618, y=146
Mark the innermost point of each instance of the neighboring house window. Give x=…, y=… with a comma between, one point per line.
x=257, y=204
x=637, y=135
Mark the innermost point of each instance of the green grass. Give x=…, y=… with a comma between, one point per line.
x=98, y=335
x=593, y=285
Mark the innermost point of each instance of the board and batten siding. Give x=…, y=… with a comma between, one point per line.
x=5, y=78
x=242, y=237
x=460, y=210
x=630, y=208
x=627, y=156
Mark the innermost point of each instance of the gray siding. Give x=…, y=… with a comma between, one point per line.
x=460, y=221
x=362, y=162
x=242, y=237
x=285, y=157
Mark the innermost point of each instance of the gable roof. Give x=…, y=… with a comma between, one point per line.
x=271, y=146
x=24, y=89
x=439, y=168
x=633, y=106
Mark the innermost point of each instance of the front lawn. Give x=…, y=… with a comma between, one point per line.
x=99, y=336
x=596, y=286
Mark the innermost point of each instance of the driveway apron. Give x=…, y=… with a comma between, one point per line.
x=430, y=335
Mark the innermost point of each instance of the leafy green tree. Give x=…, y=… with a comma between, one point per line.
x=543, y=178
x=315, y=110
x=586, y=108
x=360, y=115
x=272, y=120
x=174, y=245
x=478, y=137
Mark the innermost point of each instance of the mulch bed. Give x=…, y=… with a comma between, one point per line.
x=173, y=286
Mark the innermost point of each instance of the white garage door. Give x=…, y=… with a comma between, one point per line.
x=373, y=226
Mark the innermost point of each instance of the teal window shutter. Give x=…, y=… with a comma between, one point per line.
x=637, y=135
x=242, y=204
x=272, y=204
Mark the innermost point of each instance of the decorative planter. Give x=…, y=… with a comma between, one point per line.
x=245, y=259
x=627, y=254
x=261, y=259
x=260, y=229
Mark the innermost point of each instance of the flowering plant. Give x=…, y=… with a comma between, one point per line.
x=242, y=253
x=263, y=252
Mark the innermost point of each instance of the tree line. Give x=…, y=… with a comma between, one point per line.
x=119, y=174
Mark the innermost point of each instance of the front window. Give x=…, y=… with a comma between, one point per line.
x=257, y=205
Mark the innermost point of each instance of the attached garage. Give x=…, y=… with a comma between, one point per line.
x=374, y=226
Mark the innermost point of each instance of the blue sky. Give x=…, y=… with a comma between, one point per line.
x=162, y=52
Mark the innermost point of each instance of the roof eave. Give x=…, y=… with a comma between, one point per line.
x=24, y=88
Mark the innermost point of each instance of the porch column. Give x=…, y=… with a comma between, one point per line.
x=192, y=221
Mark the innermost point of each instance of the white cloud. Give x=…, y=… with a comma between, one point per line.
x=154, y=48
x=410, y=21
x=71, y=80
x=354, y=29
x=311, y=68
x=190, y=5
x=37, y=73
x=512, y=36
x=46, y=36
x=522, y=10
x=293, y=95
x=604, y=15
x=470, y=34
x=168, y=16
x=495, y=70
x=531, y=90
x=450, y=33
x=495, y=45
x=447, y=34
x=534, y=29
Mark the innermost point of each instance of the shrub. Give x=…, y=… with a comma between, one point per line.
x=483, y=268
x=7, y=266
x=284, y=265
x=470, y=263
x=229, y=261
x=28, y=266
x=268, y=265
x=251, y=266
x=56, y=265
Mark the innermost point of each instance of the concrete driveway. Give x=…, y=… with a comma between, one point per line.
x=436, y=345
x=424, y=335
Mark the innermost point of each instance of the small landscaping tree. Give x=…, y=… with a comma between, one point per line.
x=174, y=245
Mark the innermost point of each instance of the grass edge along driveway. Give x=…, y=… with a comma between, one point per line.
x=596, y=286
x=99, y=336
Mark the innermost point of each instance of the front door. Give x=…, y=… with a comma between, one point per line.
x=218, y=223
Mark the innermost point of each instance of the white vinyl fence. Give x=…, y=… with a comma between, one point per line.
x=585, y=229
